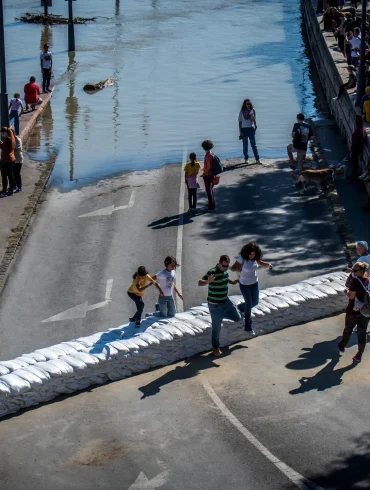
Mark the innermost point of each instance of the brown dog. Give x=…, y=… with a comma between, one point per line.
x=318, y=177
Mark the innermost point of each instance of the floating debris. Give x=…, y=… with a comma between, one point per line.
x=92, y=88
x=40, y=18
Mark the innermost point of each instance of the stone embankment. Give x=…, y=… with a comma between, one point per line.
x=331, y=67
x=112, y=355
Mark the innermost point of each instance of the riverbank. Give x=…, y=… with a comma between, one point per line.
x=16, y=212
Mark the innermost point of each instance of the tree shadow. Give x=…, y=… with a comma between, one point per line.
x=294, y=230
x=193, y=367
x=351, y=470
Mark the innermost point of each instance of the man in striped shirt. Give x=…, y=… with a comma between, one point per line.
x=220, y=306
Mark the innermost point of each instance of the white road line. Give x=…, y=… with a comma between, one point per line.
x=109, y=210
x=180, y=230
x=108, y=290
x=299, y=480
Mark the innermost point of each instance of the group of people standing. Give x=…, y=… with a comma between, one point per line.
x=11, y=162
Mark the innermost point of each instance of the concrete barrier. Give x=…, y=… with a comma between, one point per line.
x=112, y=355
x=331, y=67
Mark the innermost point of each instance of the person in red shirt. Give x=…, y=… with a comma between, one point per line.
x=207, y=146
x=32, y=94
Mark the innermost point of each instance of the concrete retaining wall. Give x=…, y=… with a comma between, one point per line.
x=72, y=366
x=331, y=67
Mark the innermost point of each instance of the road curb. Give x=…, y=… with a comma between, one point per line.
x=72, y=366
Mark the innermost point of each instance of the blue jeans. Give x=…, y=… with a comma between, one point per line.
x=15, y=115
x=167, y=305
x=249, y=133
x=218, y=312
x=250, y=294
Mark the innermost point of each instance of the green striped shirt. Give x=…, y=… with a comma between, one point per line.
x=219, y=288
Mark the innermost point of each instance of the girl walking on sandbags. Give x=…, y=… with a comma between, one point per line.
x=141, y=282
x=246, y=264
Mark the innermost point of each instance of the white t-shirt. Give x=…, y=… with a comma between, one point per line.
x=364, y=258
x=46, y=60
x=15, y=104
x=355, y=43
x=166, y=280
x=247, y=122
x=248, y=274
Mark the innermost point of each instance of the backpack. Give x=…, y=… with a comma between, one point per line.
x=365, y=310
x=217, y=167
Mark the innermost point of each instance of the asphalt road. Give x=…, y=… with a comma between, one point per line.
x=290, y=390
x=67, y=260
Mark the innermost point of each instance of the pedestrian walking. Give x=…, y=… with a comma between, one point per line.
x=166, y=279
x=17, y=165
x=358, y=142
x=301, y=134
x=219, y=304
x=357, y=311
x=246, y=264
x=141, y=282
x=32, y=94
x=46, y=63
x=14, y=106
x=247, y=129
x=191, y=180
x=7, y=146
x=207, y=146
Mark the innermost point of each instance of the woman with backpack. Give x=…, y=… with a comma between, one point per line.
x=248, y=128
x=357, y=311
x=246, y=264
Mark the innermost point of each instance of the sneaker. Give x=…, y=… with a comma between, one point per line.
x=341, y=348
x=258, y=162
x=18, y=189
x=216, y=351
x=357, y=357
x=3, y=194
x=335, y=98
x=131, y=319
x=137, y=323
x=250, y=331
x=9, y=193
x=246, y=160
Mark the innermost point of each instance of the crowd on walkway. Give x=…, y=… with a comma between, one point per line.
x=11, y=158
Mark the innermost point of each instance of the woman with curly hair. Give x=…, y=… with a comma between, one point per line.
x=247, y=263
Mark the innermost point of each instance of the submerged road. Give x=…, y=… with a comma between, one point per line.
x=71, y=276
x=268, y=414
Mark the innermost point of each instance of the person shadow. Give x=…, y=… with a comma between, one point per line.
x=193, y=367
x=174, y=220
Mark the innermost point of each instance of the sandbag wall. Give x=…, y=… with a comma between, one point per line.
x=116, y=354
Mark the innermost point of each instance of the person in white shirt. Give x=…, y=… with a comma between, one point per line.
x=17, y=165
x=166, y=281
x=46, y=62
x=247, y=129
x=355, y=43
x=247, y=263
x=362, y=250
x=14, y=106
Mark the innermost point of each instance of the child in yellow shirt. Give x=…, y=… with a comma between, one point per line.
x=191, y=179
x=141, y=281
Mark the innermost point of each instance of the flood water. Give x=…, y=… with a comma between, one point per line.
x=182, y=69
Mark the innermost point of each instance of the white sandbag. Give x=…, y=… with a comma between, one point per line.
x=37, y=371
x=49, y=353
x=4, y=370
x=277, y=301
x=64, y=367
x=289, y=300
x=149, y=339
x=37, y=356
x=318, y=292
x=107, y=349
x=263, y=307
x=86, y=358
x=21, y=361
x=326, y=288
x=139, y=342
x=339, y=287
x=294, y=296
x=161, y=334
x=308, y=294
x=75, y=363
x=52, y=369
x=90, y=340
x=185, y=329
x=15, y=383
x=76, y=345
x=33, y=380
x=66, y=348
x=184, y=316
x=4, y=388
x=11, y=365
x=313, y=281
x=119, y=346
x=29, y=360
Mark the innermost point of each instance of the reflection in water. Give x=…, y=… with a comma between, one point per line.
x=155, y=4
x=117, y=8
x=71, y=111
x=46, y=36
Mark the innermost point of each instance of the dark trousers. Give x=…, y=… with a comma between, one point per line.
x=7, y=176
x=138, y=300
x=208, y=183
x=319, y=6
x=351, y=320
x=342, y=89
x=192, y=197
x=17, y=167
x=46, y=76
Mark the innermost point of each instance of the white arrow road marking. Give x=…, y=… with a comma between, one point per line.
x=142, y=482
x=80, y=311
x=110, y=209
x=299, y=480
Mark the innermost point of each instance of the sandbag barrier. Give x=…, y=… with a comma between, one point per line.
x=106, y=356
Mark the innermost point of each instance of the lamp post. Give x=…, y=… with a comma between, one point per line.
x=71, y=28
x=361, y=71
x=4, y=94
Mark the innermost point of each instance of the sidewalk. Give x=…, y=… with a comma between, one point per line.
x=16, y=211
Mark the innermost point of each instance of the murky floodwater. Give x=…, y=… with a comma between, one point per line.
x=182, y=70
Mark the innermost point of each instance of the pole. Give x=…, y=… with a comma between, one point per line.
x=3, y=95
x=71, y=28
x=361, y=71
x=46, y=8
